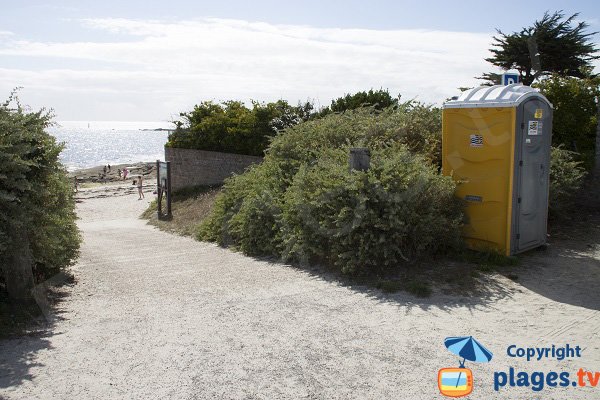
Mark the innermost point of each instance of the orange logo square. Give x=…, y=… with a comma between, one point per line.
x=455, y=382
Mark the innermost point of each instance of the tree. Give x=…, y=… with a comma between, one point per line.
x=551, y=45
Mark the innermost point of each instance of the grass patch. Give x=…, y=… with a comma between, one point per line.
x=189, y=207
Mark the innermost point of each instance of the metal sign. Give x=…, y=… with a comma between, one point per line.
x=508, y=78
x=163, y=187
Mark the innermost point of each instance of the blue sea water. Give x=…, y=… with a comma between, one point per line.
x=88, y=144
x=454, y=379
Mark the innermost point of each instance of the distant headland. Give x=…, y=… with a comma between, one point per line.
x=158, y=129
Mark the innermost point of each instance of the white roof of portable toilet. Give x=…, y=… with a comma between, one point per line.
x=495, y=96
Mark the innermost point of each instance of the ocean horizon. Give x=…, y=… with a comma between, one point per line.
x=92, y=143
x=126, y=125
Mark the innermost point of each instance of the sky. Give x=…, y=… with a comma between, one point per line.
x=149, y=60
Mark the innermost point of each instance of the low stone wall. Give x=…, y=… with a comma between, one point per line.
x=198, y=167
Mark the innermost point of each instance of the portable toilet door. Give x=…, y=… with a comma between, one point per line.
x=532, y=174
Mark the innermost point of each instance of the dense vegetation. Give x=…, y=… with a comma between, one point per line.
x=36, y=197
x=566, y=177
x=378, y=99
x=232, y=127
x=575, y=114
x=303, y=203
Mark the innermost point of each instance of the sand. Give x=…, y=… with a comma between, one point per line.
x=160, y=316
x=98, y=175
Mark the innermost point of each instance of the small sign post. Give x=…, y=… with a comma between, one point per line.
x=359, y=159
x=163, y=187
x=508, y=78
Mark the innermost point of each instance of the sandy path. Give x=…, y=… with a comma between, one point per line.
x=159, y=316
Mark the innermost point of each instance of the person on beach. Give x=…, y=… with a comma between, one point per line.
x=125, y=172
x=76, y=184
x=119, y=172
x=104, y=169
x=140, y=188
x=108, y=167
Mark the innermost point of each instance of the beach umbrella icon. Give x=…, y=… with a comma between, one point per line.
x=468, y=348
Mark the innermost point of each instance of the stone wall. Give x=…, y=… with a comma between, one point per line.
x=198, y=167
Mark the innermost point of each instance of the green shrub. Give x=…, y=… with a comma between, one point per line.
x=575, y=113
x=361, y=221
x=244, y=214
x=232, y=127
x=566, y=177
x=36, y=195
x=303, y=203
x=379, y=99
x=414, y=124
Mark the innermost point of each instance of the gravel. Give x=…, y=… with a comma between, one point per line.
x=155, y=316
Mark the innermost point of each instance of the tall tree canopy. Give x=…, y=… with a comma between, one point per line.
x=554, y=44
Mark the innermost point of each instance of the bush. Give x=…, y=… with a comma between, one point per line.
x=246, y=212
x=414, y=124
x=302, y=203
x=36, y=196
x=575, y=114
x=566, y=177
x=378, y=99
x=232, y=127
x=360, y=221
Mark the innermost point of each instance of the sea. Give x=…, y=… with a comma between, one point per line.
x=92, y=143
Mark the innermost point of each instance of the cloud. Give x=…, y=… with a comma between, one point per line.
x=167, y=66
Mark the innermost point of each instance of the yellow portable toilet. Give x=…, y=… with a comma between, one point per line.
x=496, y=144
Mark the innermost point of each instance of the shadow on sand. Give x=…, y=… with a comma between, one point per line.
x=568, y=271
x=34, y=327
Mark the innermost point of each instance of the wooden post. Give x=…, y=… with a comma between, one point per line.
x=158, y=191
x=169, y=215
x=360, y=159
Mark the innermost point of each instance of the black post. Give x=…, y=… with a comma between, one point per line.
x=158, y=191
x=169, y=189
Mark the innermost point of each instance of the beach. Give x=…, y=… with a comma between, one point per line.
x=115, y=143
x=155, y=315
x=102, y=175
